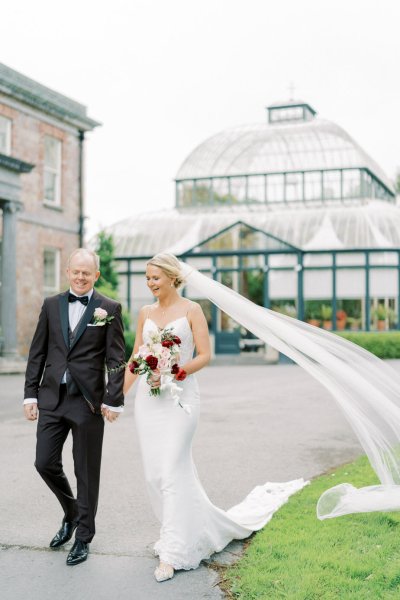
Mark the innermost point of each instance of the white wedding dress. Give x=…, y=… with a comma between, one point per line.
x=192, y=528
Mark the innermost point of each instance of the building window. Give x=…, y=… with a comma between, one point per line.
x=5, y=135
x=51, y=271
x=52, y=170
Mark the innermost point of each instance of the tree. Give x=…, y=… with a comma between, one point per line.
x=108, y=280
x=107, y=283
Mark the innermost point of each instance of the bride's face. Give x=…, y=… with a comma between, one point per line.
x=158, y=282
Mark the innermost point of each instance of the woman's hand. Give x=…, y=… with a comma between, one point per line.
x=154, y=379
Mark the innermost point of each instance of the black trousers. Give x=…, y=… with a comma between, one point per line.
x=73, y=414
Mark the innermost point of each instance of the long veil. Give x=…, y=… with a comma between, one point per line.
x=366, y=389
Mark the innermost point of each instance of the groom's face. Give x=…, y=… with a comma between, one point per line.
x=82, y=273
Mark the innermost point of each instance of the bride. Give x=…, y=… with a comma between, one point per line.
x=192, y=528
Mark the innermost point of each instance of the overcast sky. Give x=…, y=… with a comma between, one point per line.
x=163, y=75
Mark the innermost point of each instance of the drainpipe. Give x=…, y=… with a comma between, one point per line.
x=80, y=190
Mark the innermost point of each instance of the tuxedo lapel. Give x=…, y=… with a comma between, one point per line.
x=94, y=303
x=63, y=303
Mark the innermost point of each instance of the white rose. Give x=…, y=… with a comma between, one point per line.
x=100, y=313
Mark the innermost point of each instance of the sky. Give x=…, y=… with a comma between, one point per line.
x=164, y=75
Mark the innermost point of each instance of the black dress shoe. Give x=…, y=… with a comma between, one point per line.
x=64, y=534
x=78, y=553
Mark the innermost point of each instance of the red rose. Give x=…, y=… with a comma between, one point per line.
x=181, y=375
x=152, y=361
x=175, y=369
x=133, y=365
x=176, y=340
x=167, y=343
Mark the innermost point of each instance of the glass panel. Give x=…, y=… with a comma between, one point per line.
x=256, y=189
x=313, y=185
x=275, y=188
x=383, y=258
x=51, y=274
x=5, y=135
x=185, y=194
x=317, y=260
x=50, y=186
x=350, y=283
x=294, y=186
x=224, y=262
x=331, y=181
x=202, y=192
x=282, y=284
x=51, y=152
x=383, y=282
x=221, y=194
x=238, y=189
x=231, y=280
x=201, y=263
x=350, y=258
x=52, y=169
x=351, y=184
x=317, y=284
x=282, y=260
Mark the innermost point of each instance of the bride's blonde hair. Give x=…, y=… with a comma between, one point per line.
x=169, y=264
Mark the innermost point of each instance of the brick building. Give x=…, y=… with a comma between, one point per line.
x=41, y=199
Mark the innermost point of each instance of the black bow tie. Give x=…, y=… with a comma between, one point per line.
x=83, y=299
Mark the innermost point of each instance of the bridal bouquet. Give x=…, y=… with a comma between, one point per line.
x=161, y=355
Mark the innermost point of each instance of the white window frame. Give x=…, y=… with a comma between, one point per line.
x=49, y=290
x=56, y=171
x=8, y=124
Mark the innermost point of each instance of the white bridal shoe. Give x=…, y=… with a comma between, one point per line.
x=164, y=572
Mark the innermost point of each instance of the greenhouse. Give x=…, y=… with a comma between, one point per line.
x=292, y=213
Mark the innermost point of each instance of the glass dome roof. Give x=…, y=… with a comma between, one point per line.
x=375, y=225
x=313, y=144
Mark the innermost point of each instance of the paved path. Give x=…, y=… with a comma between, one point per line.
x=258, y=424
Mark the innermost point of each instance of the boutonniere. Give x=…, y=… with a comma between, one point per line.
x=101, y=318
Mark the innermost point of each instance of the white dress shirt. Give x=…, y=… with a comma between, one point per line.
x=75, y=314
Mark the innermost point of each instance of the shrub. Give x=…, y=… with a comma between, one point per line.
x=383, y=345
x=129, y=343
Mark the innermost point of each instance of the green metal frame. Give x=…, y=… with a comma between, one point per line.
x=387, y=195
x=300, y=268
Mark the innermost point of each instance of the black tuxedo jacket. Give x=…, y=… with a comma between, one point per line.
x=93, y=348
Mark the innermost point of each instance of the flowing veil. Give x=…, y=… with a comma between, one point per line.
x=366, y=389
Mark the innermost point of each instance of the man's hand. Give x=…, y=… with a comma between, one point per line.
x=31, y=411
x=110, y=415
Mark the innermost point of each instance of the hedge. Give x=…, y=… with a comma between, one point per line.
x=129, y=343
x=382, y=344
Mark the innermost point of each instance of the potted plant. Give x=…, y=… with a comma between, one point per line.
x=313, y=317
x=355, y=323
x=326, y=314
x=380, y=314
x=392, y=316
x=341, y=319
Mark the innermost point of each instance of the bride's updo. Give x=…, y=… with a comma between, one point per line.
x=169, y=264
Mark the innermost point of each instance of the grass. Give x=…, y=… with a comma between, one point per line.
x=297, y=557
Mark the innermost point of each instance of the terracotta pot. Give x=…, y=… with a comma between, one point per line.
x=327, y=324
x=340, y=324
x=314, y=322
x=381, y=325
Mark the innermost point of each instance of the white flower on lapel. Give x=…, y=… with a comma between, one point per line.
x=101, y=317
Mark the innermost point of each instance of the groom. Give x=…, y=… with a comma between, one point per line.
x=78, y=333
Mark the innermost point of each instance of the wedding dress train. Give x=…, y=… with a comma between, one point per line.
x=192, y=528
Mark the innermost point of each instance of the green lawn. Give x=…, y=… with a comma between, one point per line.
x=300, y=558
